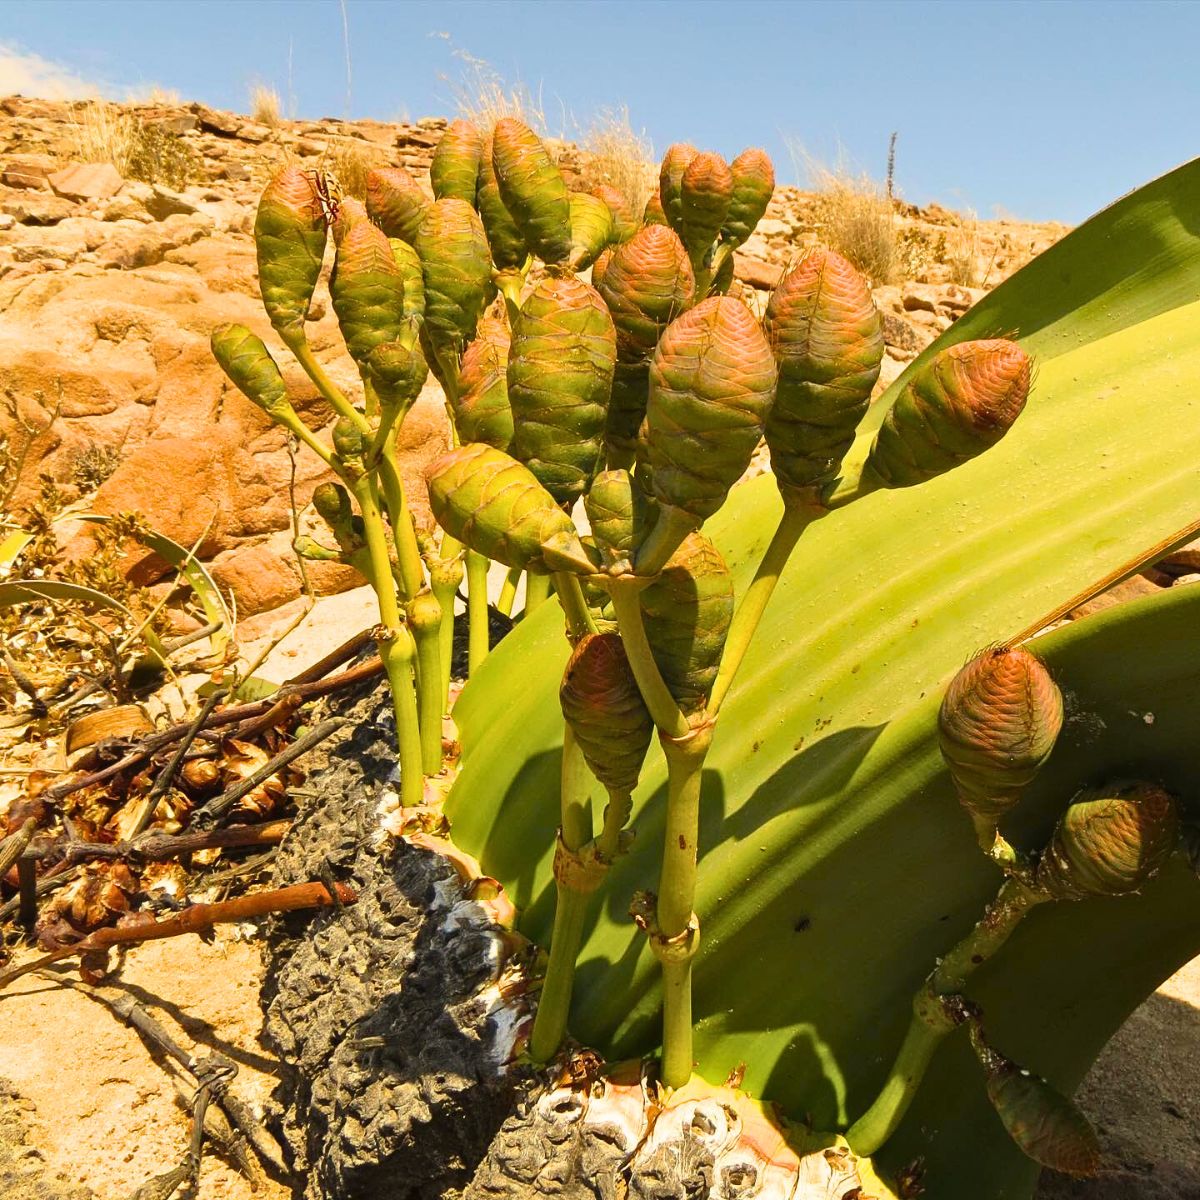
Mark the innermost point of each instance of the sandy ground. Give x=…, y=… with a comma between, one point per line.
x=98, y=1108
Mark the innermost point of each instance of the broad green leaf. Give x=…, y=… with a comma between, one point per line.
x=824, y=806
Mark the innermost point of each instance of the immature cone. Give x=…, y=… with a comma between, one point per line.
x=560, y=368
x=409, y=264
x=647, y=283
x=653, y=213
x=454, y=169
x=398, y=373
x=827, y=338
x=953, y=408
x=711, y=386
x=248, y=363
x=604, y=709
x=332, y=503
x=351, y=444
x=997, y=725
x=619, y=515
x=395, y=202
x=686, y=612
x=458, y=273
x=625, y=223
x=508, y=246
x=494, y=505
x=483, y=413
x=753, y=186
x=289, y=235
x=704, y=195
x=533, y=190
x=591, y=229
x=670, y=183
x=367, y=290
x=601, y=265
x=1045, y=1125
x=1109, y=842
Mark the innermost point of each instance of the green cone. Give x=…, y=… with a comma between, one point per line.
x=653, y=213
x=647, y=283
x=687, y=611
x=409, y=264
x=367, y=289
x=457, y=268
x=826, y=335
x=626, y=410
x=1045, y=1125
x=753, y=187
x=670, y=183
x=289, y=235
x=955, y=406
x=704, y=195
x=1110, y=841
x=560, y=368
x=395, y=202
x=483, y=413
x=711, y=386
x=625, y=223
x=997, y=725
x=619, y=515
x=604, y=709
x=508, y=246
x=398, y=373
x=248, y=363
x=591, y=229
x=533, y=190
x=454, y=169
x=494, y=505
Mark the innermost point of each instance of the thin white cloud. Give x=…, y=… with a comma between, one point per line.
x=29, y=74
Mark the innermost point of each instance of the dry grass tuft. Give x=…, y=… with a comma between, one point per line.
x=857, y=218
x=99, y=132
x=483, y=96
x=613, y=152
x=265, y=105
x=350, y=159
x=965, y=252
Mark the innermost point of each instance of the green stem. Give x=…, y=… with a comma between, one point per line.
x=404, y=534
x=398, y=652
x=861, y=481
x=671, y=526
x=508, y=593
x=477, y=610
x=661, y=704
x=676, y=895
x=930, y=1022
x=574, y=606
x=445, y=575
x=425, y=618
x=330, y=390
x=798, y=514
x=616, y=816
x=554, y=1004
x=537, y=590
x=290, y=420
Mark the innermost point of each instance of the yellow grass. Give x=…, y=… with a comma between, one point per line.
x=265, y=105
x=99, y=132
x=613, y=152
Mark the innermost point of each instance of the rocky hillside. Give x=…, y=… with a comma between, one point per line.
x=125, y=236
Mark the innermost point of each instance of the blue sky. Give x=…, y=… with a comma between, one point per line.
x=1045, y=110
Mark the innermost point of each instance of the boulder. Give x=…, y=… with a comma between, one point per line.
x=87, y=181
x=31, y=171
